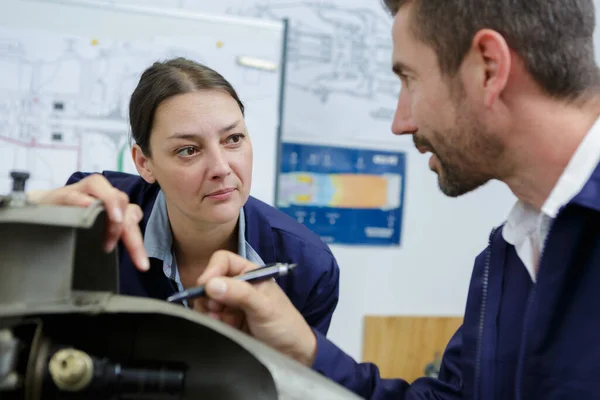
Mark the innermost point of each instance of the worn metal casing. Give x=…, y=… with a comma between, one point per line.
x=55, y=275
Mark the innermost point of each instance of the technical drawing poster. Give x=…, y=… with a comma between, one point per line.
x=64, y=99
x=339, y=58
x=345, y=195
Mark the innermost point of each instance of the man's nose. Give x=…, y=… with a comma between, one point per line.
x=403, y=123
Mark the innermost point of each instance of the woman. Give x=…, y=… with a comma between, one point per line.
x=194, y=158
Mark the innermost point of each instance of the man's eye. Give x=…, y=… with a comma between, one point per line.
x=186, y=151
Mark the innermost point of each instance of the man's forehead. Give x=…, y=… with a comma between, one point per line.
x=402, y=37
x=402, y=23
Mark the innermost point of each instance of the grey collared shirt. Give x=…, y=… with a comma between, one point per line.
x=158, y=241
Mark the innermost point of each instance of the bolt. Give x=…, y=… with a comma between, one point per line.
x=19, y=179
x=71, y=369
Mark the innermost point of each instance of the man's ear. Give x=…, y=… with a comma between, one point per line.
x=494, y=57
x=143, y=164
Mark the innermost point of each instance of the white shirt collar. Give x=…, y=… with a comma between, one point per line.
x=578, y=172
x=526, y=227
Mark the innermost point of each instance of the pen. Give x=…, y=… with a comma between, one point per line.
x=256, y=275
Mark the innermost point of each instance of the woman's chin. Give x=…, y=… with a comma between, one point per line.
x=222, y=214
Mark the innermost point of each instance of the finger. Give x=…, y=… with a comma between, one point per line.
x=200, y=304
x=214, y=306
x=206, y=305
x=239, y=294
x=113, y=233
x=232, y=317
x=132, y=237
x=115, y=202
x=244, y=326
x=78, y=199
x=225, y=263
x=64, y=196
x=39, y=196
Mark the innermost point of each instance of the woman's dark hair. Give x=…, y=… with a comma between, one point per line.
x=166, y=79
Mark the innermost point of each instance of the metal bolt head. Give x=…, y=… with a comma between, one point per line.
x=71, y=369
x=19, y=178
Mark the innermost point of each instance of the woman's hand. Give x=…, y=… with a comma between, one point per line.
x=123, y=218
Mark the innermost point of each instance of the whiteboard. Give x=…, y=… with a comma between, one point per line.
x=68, y=68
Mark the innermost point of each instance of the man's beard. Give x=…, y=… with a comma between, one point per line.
x=463, y=166
x=454, y=181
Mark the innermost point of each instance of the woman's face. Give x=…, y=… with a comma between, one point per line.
x=201, y=156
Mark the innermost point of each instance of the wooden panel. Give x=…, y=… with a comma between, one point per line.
x=403, y=346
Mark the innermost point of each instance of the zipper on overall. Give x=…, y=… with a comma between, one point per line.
x=484, y=289
x=520, y=365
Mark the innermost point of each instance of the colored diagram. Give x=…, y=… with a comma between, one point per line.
x=346, y=195
x=362, y=191
x=338, y=58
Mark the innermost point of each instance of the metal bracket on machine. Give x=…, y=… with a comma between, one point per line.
x=48, y=252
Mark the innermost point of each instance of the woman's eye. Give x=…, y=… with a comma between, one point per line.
x=234, y=139
x=186, y=151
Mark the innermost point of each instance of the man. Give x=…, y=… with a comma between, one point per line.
x=494, y=89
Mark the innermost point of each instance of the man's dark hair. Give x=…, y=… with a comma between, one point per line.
x=554, y=38
x=166, y=79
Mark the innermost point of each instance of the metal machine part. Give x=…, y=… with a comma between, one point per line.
x=18, y=197
x=49, y=371
x=75, y=371
x=71, y=370
x=66, y=333
x=8, y=359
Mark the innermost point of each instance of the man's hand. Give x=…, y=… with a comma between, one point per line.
x=123, y=218
x=261, y=309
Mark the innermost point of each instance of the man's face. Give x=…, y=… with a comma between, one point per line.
x=441, y=114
